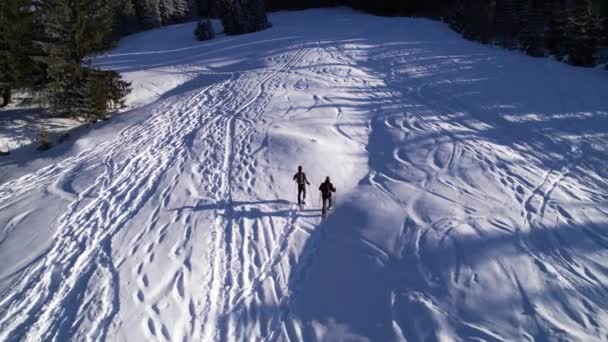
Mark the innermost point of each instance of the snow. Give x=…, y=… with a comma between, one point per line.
x=472, y=198
x=20, y=125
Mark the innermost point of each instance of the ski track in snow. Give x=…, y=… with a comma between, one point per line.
x=454, y=219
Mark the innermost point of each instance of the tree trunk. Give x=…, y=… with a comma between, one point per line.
x=6, y=96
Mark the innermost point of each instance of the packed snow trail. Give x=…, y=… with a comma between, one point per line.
x=472, y=194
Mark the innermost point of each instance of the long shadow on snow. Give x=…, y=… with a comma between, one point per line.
x=367, y=287
x=490, y=89
x=248, y=209
x=344, y=279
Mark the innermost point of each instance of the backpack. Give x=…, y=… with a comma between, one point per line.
x=300, y=178
x=327, y=189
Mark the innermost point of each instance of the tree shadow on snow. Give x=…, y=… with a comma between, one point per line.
x=478, y=94
x=360, y=290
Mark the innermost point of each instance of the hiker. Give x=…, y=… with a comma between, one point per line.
x=326, y=189
x=301, y=180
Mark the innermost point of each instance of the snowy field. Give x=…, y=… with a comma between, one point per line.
x=472, y=198
x=20, y=126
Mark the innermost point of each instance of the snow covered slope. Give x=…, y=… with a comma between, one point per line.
x=472, y=197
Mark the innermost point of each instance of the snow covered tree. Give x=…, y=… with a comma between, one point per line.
x=173, y=11
x=180, y=10
x=166, y=9
x=154, y=13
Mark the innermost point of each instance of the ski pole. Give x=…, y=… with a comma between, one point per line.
x=336, y=200
x=320, y=199
x=311, y=196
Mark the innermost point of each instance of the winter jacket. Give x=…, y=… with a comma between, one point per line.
x=326, y=189
x=300, y=178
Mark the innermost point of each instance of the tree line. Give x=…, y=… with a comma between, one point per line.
x=572, y=30
x=45, y=44
x=238, y=16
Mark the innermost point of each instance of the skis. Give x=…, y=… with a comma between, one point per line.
x=302, y=205
x=327, y=212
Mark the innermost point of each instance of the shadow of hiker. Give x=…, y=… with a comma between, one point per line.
x=250, y=209
x=366, y=275
x=341, y=280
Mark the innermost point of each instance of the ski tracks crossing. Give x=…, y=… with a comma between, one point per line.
x=78, y=273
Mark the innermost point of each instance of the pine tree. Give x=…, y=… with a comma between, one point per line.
x=18, y=65
x=173, y=11
x=556, y=30
x=257, y=15
x=533, y=27
x=583, y=34
x=166, y=10
x=192, y=8
x=456, y=16
x=125, y=18
x=204, y=30
x=180, y=10
x=604, y=14
x=148, y=12
x=74, y=29
x=506, y=22
x=243, y=16
x=102, y=91
x=230, y=14
x=474, y=19
x=208, y=8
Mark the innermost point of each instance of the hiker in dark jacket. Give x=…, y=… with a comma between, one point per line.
x=301, y=180
x=326, y=189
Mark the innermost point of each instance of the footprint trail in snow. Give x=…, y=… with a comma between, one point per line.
x=472, y=196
